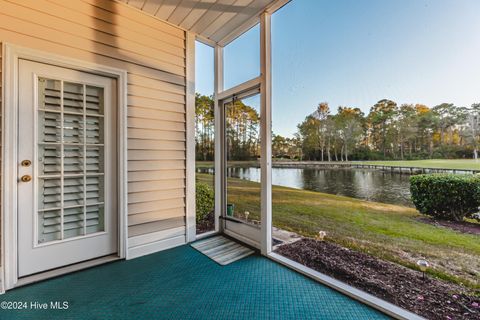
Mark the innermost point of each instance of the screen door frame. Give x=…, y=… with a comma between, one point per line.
x=245, y=232
x=11, y=55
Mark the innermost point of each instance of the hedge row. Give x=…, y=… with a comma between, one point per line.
x=204, y=201
x=446, y=196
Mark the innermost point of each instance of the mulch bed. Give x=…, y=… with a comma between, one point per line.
x=207, y=224
x=428, y=297
x=460, y=226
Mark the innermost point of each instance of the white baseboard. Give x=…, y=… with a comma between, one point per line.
x=153, y=247
x=155, y=236
x=65, y=270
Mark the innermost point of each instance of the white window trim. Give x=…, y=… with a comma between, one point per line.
x=266, y=131
x=190, y=222
x=11, y=55
x=218, y=88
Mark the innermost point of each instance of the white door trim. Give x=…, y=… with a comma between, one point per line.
x=11, y=55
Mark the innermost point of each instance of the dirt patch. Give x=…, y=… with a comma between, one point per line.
x=207, y=224
x=460, y=226
x=428, y=297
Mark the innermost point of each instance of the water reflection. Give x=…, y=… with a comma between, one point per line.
x=367, y=184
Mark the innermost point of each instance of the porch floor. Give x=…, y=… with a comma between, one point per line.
x=181, y=283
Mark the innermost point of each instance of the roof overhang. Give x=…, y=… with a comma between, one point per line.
x=215, y=22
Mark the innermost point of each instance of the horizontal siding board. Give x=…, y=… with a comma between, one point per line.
x=157, y=94
x=147, y=113
x=155, y=165
x=138, y=144
x=155, y=226
x=142, y=186
x=163, y=77
x=47, y=46
x=80, y=25
x=137, y=133
x=157, y=195
x=124, y=20
x=143, y=207
x=25, y=27
x=151, y=83
x=156, y=104
x=153, y=216
x=155, y=155
x=155, y=124
x=155, y=236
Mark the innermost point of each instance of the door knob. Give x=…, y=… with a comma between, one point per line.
x=26, y=178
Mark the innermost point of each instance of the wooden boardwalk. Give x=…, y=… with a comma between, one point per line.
x=353, y=165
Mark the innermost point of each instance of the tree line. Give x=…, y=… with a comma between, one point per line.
x=242, y=130
x=388, y=131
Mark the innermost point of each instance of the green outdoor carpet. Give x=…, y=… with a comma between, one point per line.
x=182, y=283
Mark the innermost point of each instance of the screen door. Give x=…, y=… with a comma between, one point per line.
x=242, y=175
x=66, y=167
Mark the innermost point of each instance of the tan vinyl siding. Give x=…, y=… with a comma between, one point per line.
x=153, y=53
x=156, y=226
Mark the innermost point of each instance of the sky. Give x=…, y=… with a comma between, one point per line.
x=356, y=52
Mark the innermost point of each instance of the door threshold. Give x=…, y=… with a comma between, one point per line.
x=206, y=235
x=65, y=270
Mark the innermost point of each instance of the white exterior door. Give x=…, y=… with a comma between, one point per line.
x=67, y=186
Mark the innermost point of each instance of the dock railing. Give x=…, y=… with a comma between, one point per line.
x=359, y=165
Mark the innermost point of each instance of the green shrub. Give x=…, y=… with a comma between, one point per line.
x=204, y=200
x=446, y=196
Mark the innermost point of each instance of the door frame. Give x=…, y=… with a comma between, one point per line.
x=244, y=232
x=11, y=55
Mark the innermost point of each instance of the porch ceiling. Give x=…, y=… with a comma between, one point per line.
x=216, y=21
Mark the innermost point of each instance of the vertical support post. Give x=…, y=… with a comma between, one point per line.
x=266, y=132
x=218, y=114
x=190, y=137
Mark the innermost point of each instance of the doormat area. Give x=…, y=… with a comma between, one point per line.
x=222, y=250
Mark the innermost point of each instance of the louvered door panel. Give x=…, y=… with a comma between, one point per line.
x=67, y=191
x=71, y=160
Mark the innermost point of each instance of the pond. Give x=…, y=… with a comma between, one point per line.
x=366, y=184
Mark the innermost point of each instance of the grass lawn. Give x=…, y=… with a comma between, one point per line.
x=433, y=163
x=386, y=231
